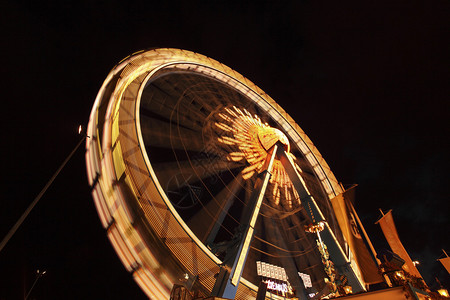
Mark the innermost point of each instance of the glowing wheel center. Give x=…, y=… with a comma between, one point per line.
x=244, y=138
x=269, y=136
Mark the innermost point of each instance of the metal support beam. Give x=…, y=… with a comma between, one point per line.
x=227, y=201
x=337, y=255
x=230, y=275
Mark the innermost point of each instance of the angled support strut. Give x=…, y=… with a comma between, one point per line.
x=228, y=279
x=341, y=261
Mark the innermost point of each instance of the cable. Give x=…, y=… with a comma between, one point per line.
x=38, y=197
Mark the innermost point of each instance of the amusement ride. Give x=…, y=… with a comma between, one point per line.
x=202, y=181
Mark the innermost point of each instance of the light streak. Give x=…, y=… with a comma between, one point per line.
x=249, y=236
x=245, y=137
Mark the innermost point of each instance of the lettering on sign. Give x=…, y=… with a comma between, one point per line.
x=280, y=287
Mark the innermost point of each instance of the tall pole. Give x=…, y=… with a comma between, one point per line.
x=38, y=275
x=38, y=197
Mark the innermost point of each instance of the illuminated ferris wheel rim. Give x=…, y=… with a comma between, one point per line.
x=177, y=57
x=180, y=60
x=221, y=72
x=221, y=76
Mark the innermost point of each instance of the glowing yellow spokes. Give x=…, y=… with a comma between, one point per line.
x=250, y=139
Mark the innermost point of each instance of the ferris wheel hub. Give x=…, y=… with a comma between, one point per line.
x=269, y=136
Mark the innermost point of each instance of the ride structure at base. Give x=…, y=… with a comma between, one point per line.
x=197, y=174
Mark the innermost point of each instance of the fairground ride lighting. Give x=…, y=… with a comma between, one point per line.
x=443, y=292
x=280, y=287
x=347, y=289
x=252, y=140
x=399, y=274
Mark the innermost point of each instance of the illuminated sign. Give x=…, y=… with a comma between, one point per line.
x=271, y=271
x=306, y=279
x=280, y=287
x=264, y=269
x=280, y=281
x=283, y=275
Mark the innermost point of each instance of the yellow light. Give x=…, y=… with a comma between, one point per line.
x=242, y=257
x=314, y=228
x=399, y=274
x=347, y=289
x=247, y=139
x=443, y=292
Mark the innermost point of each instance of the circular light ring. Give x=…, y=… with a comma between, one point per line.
x=141, y=223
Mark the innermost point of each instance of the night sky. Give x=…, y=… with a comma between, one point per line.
x=366, y=80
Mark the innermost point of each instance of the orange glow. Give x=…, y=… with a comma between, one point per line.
x=247, y=139
x=443, y=292
x=348, y=289
x=399, y=275
x=314, y=228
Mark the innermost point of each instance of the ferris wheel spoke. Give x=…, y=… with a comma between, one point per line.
x=191, y=112
x=189, y=109
x=189, y=119
x=248, y=190
x=161, y=111
x=157, y=133
x=214, y=212
x=301, y=241
x=167, y=116
x=207, y=104
x=276, y=233
x=193, y=170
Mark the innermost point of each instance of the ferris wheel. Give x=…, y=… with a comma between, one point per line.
x=192, y=166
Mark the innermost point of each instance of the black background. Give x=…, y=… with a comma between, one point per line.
x=366, y=80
